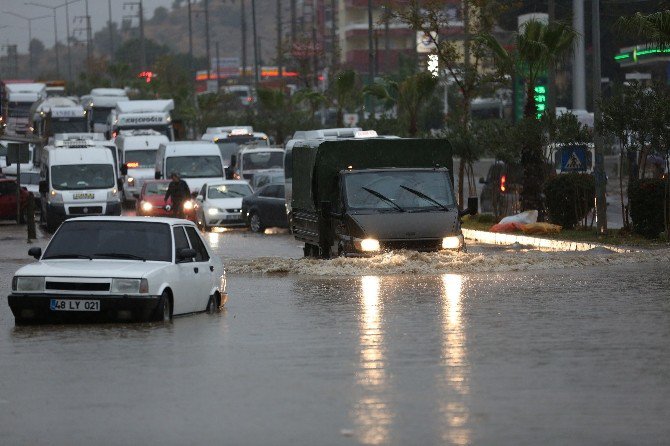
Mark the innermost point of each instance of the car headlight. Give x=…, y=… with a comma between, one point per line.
x=55, y=197
x=452, y=242
x=113, y=194
x=28, y=284
x=146, y=206
x=369, y=245
x=130, y=286
x=213, y=211
x=188, y=205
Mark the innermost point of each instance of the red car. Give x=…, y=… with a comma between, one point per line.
x=8, y=199
x=151, y=201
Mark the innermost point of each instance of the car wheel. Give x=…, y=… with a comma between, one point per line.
x=212, y=304
x=164, y=310
x=255, y=223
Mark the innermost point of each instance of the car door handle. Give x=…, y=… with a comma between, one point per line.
x=195, y=270
x=211, y=267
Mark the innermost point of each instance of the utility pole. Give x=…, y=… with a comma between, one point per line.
x=30, y=35
x=578, y=70
x=86, y=19
x=293, y=20
x=601, y=203
x=255, y=43
x=190, y=41
x=371, y=52
x=140, y=16
x=551, y=75
x=53, y=10
x=67, y=40
x=243, y=25
x=333, y=34
x=280, y=52
x=111, y=31
x=209, y=58
x=218, y=82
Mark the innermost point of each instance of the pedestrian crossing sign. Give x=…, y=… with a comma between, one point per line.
x=573, y=159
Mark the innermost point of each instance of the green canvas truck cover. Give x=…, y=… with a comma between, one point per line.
x=316, y=167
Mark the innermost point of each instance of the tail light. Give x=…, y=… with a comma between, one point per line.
x=503, y=183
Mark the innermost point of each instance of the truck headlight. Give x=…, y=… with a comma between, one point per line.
x=146, y=206
x=369, y=245
x=130, y=286
x=131, y=181
x=24, y=284
x=452, y=242
x=113, y=194
x=188, y=205
x=55, y=197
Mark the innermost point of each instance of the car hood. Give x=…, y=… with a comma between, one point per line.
x=405, y=225
x=156, y=199
x=195, y=184
x=91, y=268
x=226, y=203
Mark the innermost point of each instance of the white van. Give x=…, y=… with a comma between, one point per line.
x=138, y=149
x=250, y=160
x=197, y=162
x=75, y=182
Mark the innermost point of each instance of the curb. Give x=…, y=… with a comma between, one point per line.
x=494, y=238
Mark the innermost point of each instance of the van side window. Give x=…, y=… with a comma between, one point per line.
x=180, y=240
x=197, y=244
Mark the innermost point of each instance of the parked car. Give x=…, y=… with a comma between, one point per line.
x=8, y=199
x=265, y=208
x=220, y=204
x=152, y=201
x=119, y=268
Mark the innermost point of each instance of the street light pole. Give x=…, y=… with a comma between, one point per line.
x=601, y=203
x=53, y=9
x=207, y=51
x=255, y=40
x=30, y=35
x=111, y=32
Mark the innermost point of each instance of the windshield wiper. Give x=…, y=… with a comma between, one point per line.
x=68, y=256
x=383, y=197
x=425, y=197
x=119, y=255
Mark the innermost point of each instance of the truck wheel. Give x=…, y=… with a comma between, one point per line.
x=255, y=223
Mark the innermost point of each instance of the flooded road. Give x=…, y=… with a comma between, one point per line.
x=577, y=355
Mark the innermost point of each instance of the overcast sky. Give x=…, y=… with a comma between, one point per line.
x=16, y=30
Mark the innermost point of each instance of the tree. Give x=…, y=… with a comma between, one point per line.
x=344, y=92
x=537, y=48
x=654, y=28
x=408, y=96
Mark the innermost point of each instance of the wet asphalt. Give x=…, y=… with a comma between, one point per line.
x=554, y=357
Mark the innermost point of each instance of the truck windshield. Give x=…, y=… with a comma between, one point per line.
x=77, y=125
x=140, y=158
x=227, y=150
x=263, y=160
x=82, y=176
x=19, y=109
x=229, y=191
x=402, y=189
x=111, y=239
x=194, y=166
x=99, y=114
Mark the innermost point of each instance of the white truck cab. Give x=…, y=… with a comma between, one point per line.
x=142, y=115
x=138, y=150
x=20, y=98
x=77, y=180
x=197, y=162
x=99, y=104
x=251, y=159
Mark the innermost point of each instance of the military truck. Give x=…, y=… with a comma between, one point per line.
x=356, y=197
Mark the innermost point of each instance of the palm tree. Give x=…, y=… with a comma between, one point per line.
x=537, y=48
x=654, y=28
x=344, y=93
x=409, y=96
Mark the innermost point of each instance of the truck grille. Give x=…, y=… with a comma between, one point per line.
x=77, y=286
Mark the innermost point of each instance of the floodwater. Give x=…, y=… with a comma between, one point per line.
x=575, y=352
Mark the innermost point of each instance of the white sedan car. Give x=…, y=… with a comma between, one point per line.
x=220, y=204
x=119, y=268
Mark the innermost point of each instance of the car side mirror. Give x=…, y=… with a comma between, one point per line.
x=124, y=169
x=36, y=252
x=43, y=187
x=119, y=183
x=185, y=254
x=157, y=175
x=472, y=209
x=482, y=180
x=199, y=198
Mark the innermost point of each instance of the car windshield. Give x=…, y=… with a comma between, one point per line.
x=195, y=166
x=69, y=125
x=100, y=114
x=229, y=191
x=399, y=190
x=141, y=158
x=82, y=176
x=117, y=239
x=263, y=160
x=30, y=178
x=156, y=188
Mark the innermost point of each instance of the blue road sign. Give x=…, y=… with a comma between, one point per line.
x=574, y=159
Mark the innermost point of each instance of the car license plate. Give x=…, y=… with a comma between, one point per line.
x=74, y=305
x=83, y=196
x=233, y=217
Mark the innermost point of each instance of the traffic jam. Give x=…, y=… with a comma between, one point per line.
x=127, y=205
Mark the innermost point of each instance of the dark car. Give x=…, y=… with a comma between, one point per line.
x=502, y=188
x=8, y=199
x=266, y=208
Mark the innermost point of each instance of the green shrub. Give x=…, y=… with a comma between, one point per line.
x=569, y=198
x=646, y=206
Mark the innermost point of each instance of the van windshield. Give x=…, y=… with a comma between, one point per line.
x=140, y=158
x=98, y=239
x=263, y=160
x=399, y=190
x=82, y=176
x=194, y=166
